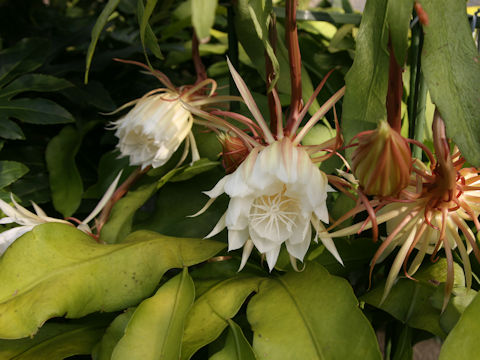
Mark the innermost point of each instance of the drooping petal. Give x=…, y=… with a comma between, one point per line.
x=237, y=238
x=219, y=227
x=247, y=250
x=272, y=256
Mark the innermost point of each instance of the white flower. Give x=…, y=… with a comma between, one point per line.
x=276, y=194
x=154, y=129
x=28, y=220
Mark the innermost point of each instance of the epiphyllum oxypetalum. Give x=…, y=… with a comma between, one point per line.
x=429, y=214
x=277, y=193
x=161, y=120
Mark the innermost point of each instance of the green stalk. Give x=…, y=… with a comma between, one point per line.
x=232, y=51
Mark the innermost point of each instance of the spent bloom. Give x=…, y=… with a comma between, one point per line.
x=161, y=120
x=430, y=214
x=28, y=220
x=277, y=193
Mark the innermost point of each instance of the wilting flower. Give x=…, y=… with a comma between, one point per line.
x=234, y=152
x=161, y=120
x=28, y=220
x=429, y=214
x=382, y=161
x=277, y=193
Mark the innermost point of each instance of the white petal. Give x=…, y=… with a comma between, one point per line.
x=6, y=220
x=298, y=250
x=219, y=227
x=272, y=257
x=326, y=240
x=103, y=201
x=237, y=213
x=302, y=231
x=236, y=185
x=247, y=250
x=218, y=189
x=263, y=245
x=237, y=238
x=9, y=236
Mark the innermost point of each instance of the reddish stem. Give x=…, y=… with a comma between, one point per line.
x=197, y=60
x=395, y=91
x=291, y=38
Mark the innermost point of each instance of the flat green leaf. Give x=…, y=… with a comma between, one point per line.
x=104, y=349
x=198, y=167
x=96, y=31
x=65, y=180
x=147, y=36
x=57, y=270
x=451, y=66
x=25, y=56
x=411, y=301
x=203, y=17
x=35, y=111
x=462, y=342
x=236, y=346
x=211, y=311
x=398, y=16
x=366, y=81
x=56, y=341
x=11, y=171
x=10, y=130
x=34, y=82
x=155, y=329
x=310, y=315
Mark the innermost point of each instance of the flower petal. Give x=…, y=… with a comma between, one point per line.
x=237, y=238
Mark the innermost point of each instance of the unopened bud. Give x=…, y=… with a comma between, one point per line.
x=234, y=152
x=382, y=161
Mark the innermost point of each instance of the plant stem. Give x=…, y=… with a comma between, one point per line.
x=395, y=91
x=270, y=74
x=232, y=52
x=291, y=38
x=197, y=60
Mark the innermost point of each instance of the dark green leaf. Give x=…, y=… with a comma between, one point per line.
x=203, y=17
x=96, y=31
x=403, y=348
x=462, y=342
x=147, y=36
x=10, y=130
x=451, y=66
x=398, y=16
x=104, y=349
x=34, y=82
x=366, y=81
x=57, y=270
x=65, y=180
x=156, y=327
x=236, y=346
x=11, y=171
x=27, y=55
x=35, y=111
x=310, y=315
x=212, y=310
x=56, y=341
x=197, y=167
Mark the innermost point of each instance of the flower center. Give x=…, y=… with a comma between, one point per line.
x=274, y=216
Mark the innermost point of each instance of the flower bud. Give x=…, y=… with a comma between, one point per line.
x=382, y=161
x=234, y=152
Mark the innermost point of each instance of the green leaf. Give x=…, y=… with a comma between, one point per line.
x=56, y=341
x=147, y=36
x=11, y=171
x=236, y=346
x=96, y=31
x=451, y=66
x=34, y=82
x=462, y=342
x=155, y=329
x=203, y=18
x=398, y=16
x=35, y=111
x=65, y=180
x=104, y=349
x=366, y=81
x=310, y=315
x=411, y=301
x=10, y=130
x=25, y=56
x=198, y=167
x=211, y=311
x=57, y=270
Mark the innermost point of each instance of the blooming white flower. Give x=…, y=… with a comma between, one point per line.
x=154, y=129
x=28, y=220
x=276, y=194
